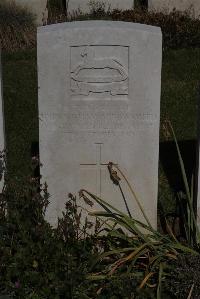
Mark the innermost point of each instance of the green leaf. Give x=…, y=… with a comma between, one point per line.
x=187, y=189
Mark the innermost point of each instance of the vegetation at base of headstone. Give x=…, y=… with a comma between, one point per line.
x=184, y=278
x=186, y=197
x=17, y=28
x=171, y=269
x=145, y=257
x=38, y=261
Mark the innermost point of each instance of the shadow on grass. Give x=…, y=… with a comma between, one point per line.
x=171, y=165
x=172, y=171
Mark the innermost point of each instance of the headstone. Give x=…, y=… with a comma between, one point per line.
x=183, y=5
x=37, y=7
x=86, y=5
x=99, y=102
x=1, y=129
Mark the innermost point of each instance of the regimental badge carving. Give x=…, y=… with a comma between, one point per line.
x=99, y=69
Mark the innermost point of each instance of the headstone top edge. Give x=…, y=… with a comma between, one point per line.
x=99, y=24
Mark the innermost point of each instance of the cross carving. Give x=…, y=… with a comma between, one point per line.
x=99, y=166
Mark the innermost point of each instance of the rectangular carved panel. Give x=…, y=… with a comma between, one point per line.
x=99, y=70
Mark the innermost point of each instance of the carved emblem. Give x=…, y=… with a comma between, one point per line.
x=92, y=71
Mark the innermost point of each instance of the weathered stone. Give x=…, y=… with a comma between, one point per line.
x=193, y=6
x=99, y=101
x=86, y=5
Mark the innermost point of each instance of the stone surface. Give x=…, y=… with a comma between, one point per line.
x=1, y=126
x=182, y=5
x=85, y=5
x=38, y=7
x=99, y=101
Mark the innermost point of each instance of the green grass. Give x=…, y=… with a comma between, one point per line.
x=180, y=75
x=20, y=105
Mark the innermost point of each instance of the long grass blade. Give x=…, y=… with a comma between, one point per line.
x=124, y=220
x=191, y=222
x=160, y=281
x=111, y=252
x=149, y=275
x=191, y=291
x=135, y=196
x=187, y=189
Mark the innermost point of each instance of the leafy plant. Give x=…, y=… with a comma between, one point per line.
x=137, y=251
x=135, y=248
x=36, y=260
x=186, y=200
x=183, y=279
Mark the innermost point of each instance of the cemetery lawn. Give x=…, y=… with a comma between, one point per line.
x=180, y=75
x=20, y=106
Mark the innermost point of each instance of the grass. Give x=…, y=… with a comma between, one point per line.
x=20, y=105
x=180, y=78
x=179, y=101
x=154, y=248
x=17, y=26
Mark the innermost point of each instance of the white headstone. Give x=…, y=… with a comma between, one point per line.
x=37, y=7
x=2, y=145
x=99, y=101
x=85, y=5
x=168, y=5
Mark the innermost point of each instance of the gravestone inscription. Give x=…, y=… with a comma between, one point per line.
x=99, y=101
